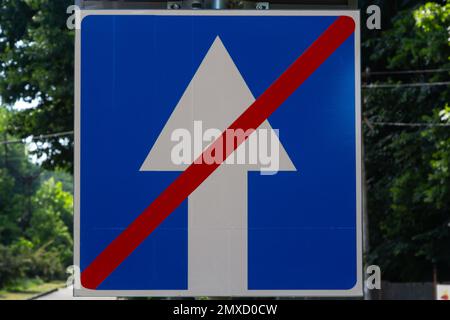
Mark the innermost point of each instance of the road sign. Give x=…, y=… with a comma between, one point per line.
x=218, y=153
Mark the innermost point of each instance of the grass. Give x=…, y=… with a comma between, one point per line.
x=28, y=288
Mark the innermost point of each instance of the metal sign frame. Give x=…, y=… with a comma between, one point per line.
x=248, y=4
x=357, y=290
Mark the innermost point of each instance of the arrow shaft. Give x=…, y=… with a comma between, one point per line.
x=189, y=180
x=217, y=233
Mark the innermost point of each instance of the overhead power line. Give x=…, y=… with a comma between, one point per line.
x=405, y=85
x=39, y=137
x=399, y=72
x=408, y=124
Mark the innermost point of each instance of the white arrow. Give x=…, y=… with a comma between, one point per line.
x=217, y=227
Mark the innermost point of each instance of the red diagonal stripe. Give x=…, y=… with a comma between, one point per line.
x=120, y=248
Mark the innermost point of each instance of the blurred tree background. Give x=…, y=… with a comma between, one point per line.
x=36, y=98
x=36, y=213
x=406, y=119
x=406, y=122
x=37, y=58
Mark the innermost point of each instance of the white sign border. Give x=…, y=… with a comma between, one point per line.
x=356, y=291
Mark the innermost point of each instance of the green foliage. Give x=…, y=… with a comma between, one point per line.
x=45, y=261
x=36, y=64
x=51, y=208
x=22, y=285
x=11, y=266
x=23, y=260
x=417, y=39
x=408, y=167
x=35, y=215
x=17, y=183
